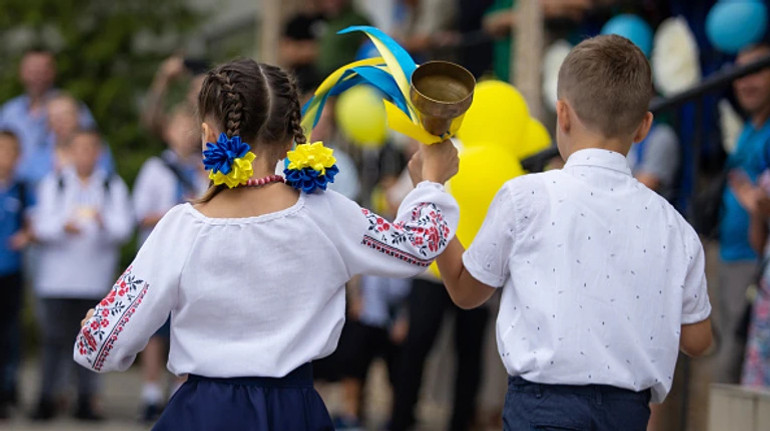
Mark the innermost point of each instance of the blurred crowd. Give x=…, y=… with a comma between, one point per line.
x=65, y=211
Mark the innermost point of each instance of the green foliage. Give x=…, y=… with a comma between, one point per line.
x=98, y=60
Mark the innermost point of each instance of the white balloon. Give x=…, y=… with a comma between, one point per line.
x=732, y=125
x=675, y=65
x=552, y=60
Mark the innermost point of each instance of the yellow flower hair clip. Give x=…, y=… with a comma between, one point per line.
x=310, y=166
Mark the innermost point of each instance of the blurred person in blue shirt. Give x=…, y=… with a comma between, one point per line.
x=738, y=261
x=27, y=116
x=14, y=236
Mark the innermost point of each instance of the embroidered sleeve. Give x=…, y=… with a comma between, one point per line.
x=113, y=313
x=426, y=222
x=415, y=241
x=139, y=302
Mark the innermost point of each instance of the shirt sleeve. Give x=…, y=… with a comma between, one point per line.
x=139, y=302
x=696, y=306
x=487, y=257
x=370, y=245
x=49, y=218
x=117, y=216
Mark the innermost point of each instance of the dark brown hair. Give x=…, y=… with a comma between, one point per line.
x=256, y=101
x=608, y=82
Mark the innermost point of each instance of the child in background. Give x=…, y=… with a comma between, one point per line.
x=64, y=123
x=756, y=200
x=163, y=182
x=14, y=237
x=254, y=277
x=82, y=218
x=603, y=280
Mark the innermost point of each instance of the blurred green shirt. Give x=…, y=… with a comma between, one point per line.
x=502, y=47
x=335, y=50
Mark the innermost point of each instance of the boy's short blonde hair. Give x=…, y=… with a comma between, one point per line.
x=608, y=82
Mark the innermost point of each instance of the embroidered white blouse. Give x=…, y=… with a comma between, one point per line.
x=259, y=296
x=598, y=275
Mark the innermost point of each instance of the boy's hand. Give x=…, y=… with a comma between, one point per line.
x=440, y=162
x=19, y=240
x=71, y=228
x=89, y=315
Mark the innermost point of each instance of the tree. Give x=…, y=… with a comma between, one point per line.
x=101, y=58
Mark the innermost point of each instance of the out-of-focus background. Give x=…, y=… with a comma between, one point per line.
x=107, y=91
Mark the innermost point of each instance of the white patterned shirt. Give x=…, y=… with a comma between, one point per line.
x=259, y=296
x=80, y=265
x=598, y=275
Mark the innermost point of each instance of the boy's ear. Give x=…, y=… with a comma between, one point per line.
x=563, y=116
x=644, y=128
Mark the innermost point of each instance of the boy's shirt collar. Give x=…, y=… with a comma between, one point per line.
x=598, y=157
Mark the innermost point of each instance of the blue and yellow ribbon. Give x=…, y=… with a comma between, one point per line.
x=229, y=161
x=390, y=73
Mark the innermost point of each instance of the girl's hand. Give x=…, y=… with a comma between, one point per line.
x=415, y=168
x=89, y=315
x=440, y=162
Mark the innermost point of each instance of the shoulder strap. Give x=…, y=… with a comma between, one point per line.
x=180, y=176
x=21, y=189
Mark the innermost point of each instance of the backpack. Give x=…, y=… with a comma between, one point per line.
x=105, y=186
x=184, y=181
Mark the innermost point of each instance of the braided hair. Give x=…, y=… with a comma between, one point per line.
x=256, y=101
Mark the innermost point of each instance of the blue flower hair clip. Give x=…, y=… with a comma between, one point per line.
x=310, y=167
x=229, y=160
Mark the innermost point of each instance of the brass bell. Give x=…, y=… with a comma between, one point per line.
x=441, y=92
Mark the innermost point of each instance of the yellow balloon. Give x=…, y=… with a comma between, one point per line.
x=483, y=171
x=535, y=139
x=361, y=116
x=433, y=269
x=498, y=115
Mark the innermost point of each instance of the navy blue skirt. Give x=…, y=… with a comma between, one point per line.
x=248, y=404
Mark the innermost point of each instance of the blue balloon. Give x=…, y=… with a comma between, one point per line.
x=367, y=50
x=734, y=25
x=632, y=28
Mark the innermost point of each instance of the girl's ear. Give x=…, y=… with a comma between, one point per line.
x=207, y=134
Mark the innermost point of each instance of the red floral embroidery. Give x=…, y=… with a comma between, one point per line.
x=426, y=232
x=96, y=340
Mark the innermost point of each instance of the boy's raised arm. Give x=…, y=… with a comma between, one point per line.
x=466, y=292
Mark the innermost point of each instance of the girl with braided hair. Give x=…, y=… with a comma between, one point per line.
x=253, y=273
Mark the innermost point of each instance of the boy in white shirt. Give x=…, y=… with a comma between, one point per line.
x=82, y=218
x=603, y=280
